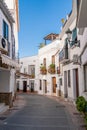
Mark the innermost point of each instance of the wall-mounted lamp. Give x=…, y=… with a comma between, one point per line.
x=69, y=36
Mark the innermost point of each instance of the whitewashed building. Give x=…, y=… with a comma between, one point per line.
x=13, y=6
x=73, y=55
x=70, y=79
x=8, y=64
x=27, y=77
x=82, y=36
x=48, y=66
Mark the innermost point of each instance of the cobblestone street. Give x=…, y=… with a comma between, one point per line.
x=35, y=112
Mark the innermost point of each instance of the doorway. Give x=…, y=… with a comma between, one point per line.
x=54, y=84
x=85, y=77
x=75, y=83
x=45, y=85
x=24, y=86
x=65, y=85
x=32, y=86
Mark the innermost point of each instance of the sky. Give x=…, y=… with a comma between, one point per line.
x=38, y=18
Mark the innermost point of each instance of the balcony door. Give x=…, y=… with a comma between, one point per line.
x=54, y=84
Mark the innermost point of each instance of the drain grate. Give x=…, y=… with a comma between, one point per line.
x=3, y=118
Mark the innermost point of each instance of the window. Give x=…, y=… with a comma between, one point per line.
x=74, y=34
x=40, y=85
x=60, y=81
x=69, y=81
x=44, y=62
x=25, y=70
x=5, y=30
x=74, y=37
x=32, y=70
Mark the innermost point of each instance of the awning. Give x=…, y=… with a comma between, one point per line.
x=8, y=61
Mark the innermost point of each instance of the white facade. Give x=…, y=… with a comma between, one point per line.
x=71, y=77
x=75, y=64
x=28, y=66
x=8, y=65
x=46, y=80
x=13, y=7
x=82, y=36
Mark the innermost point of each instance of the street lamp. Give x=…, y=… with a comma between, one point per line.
x=69, y=36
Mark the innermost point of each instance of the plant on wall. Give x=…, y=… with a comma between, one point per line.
x=51, y=69
x=43, y=69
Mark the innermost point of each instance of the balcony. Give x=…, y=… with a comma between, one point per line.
x=51, y=69
x=43, y=70
x=63, y=55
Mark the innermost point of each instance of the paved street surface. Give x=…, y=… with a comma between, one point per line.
x=35, y=112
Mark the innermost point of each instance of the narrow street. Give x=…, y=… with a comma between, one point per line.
x=35, y=112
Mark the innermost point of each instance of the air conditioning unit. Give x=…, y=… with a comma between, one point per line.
x=3, y=44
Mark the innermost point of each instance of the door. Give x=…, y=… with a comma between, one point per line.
x=24, y=86
x=65, y=85
x=54, y=84
x=85, y=77
x=18, y=86
x=77, y=84
x=32, y=87
x=45, y=83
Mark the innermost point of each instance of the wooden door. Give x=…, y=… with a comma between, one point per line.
x=85, y=78
x=54, y=84
x=77, y=84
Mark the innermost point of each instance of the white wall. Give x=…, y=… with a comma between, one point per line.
x=2, y=17
x=12, y=7
x=4, y=81
x=24, y=63
x=47, y=52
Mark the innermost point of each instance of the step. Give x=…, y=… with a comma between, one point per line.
x=3, y=108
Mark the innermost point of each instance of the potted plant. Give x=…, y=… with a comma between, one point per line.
x=51, y=69
x=43, y=69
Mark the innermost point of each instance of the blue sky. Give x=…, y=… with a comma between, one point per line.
x=38, y=18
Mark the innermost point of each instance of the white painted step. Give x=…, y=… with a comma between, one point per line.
x=3, y=108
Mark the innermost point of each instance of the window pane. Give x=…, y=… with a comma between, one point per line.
x=5, y=30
